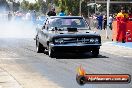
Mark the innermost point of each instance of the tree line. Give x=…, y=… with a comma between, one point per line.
x=69, y=6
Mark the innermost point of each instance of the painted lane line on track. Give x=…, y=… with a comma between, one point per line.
x=113, y=49
x=122, y=45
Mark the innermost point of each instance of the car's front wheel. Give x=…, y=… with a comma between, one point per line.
x=39, y=47
x=95, y=52
x=51, y=52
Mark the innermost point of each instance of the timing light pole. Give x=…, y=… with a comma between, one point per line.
x=80, y=7
x=108, y=6
x=95, y=7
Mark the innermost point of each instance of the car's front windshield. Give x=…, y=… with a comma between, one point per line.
x=68, y=23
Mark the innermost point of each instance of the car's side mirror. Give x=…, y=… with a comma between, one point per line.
x=56, y=28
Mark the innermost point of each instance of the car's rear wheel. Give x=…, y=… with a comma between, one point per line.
x=39, y=47
x=95, y=52
x=51, y=53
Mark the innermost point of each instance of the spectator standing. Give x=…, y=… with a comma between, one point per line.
x=62, y=13
x=28, y=16
x=100, y=20
x=121, y=18
x=104, y=22
x=34, y=16
x=9, y=16
x=94, y=18
x=110, y=21
x=70, y=14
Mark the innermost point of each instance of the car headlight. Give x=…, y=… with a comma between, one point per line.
x=92, y=40
x=96, y=40
x=59, y=41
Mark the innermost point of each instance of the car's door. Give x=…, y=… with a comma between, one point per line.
x=44, y=34
x=40, y=32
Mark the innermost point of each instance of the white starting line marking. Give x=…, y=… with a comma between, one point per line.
x=114, y=51
x=127, y=56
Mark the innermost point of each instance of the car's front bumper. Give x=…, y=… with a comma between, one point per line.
x=74, y=47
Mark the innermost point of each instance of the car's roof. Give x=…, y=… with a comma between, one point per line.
x=65, y=17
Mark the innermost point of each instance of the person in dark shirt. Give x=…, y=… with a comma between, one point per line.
x=52, y=12
x=105, y=22
x=100, y=20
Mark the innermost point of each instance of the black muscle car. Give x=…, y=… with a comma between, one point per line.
x=67, y=34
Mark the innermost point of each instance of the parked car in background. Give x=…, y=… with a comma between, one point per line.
x=67, y=34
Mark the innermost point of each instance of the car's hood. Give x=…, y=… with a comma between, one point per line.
x=78, y=33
